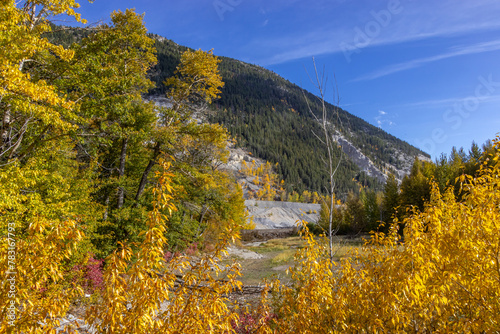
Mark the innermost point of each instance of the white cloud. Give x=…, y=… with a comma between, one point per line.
x=446, y=102
x=455, y=52
x=417, y=21
x=384, y=118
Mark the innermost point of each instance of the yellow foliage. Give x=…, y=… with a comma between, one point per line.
x=44, y=210
x=149, y=295
x=196, y=79
x=443, y=278
x=27, y=99
x=265, y=177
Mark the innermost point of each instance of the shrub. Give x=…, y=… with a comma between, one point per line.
x=314, y=228
x=251, y=322
x=192, y=249
x=444, y=277
x=91, y=274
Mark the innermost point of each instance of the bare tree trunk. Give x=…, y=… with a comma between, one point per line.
x=10, y=136
x=204, y=210
x=327, y=139
x=106, y=210
x=145, y=174
x=121, y=172
x=5, y=127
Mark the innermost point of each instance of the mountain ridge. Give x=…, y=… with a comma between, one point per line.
x=268, y=115
x=261, y=108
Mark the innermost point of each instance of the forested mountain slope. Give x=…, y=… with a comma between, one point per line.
x=268, y=116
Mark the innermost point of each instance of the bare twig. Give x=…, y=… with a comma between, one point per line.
x=332, y=162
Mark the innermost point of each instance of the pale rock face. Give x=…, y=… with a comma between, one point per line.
x=234, y=165
x=362, y=161
x=275, y=215
x=161, y=101
x=369, y=167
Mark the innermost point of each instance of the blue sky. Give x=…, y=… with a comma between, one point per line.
x=424, y=71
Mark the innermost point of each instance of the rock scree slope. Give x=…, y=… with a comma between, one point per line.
x=274, y=215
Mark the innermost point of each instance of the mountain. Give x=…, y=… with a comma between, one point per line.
x=268, y=116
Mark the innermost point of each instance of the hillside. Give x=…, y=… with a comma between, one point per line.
x=268, y=116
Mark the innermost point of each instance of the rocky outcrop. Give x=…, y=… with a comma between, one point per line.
x=362, y=161
x=278, y=215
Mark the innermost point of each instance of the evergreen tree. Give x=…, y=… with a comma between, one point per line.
x=415, y=188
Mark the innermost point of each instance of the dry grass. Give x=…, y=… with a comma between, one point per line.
x=279, y=255
x=278, y=245
x=285, y=257
x=345, y=250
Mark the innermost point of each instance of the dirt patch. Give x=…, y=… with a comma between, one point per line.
x=242, y=253
x=282, y=268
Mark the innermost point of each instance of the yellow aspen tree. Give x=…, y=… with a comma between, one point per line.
x=307, y=196
x=315, y=198
x=26, y=99
x=266, y=187
x=151, y=295
x=244, y=167
x=282, y=191
x=254, y=168
x=42, y=193
x=45, y=211
x=443, y=277
x=196, y=82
